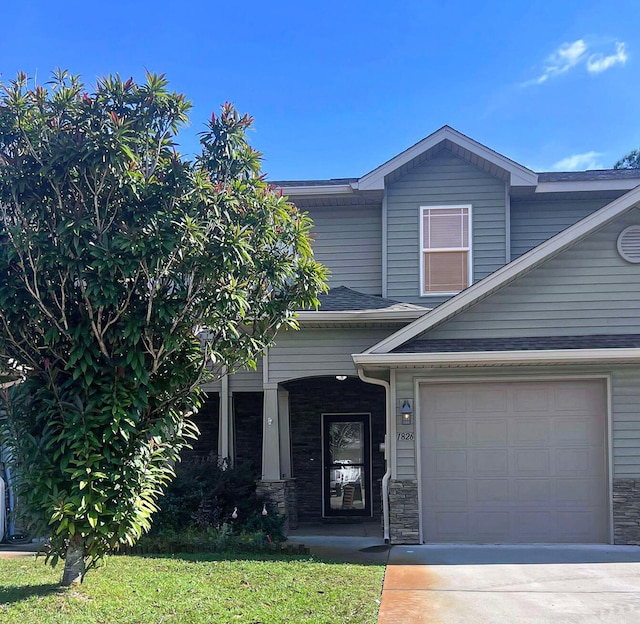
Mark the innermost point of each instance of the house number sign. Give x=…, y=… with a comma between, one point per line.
x=405, y=435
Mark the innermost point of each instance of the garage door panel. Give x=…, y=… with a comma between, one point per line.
x=450, y=461
x=533, y=430
x=451, y=491
x=491, y=491
x=489, y=462
x=579, y=461
x=489, y=401
x=489, y=433
x=511, y=474
x=533, y=398
x=578, y=431
x=532, y=462
x=450, y=433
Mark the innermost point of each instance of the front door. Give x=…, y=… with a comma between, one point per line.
x=347, y=464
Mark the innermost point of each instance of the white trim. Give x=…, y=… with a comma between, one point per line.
x=320, y=189
x=469, y=248
x=519, y=175
x=393, y=424
x=224, y=418
x=385, y=249
x=514, y=378
x=476, y=358
x=609, y=458
x=507, y=224
x=511, y=271
x=318, y=316
x=418, y=455
x=573, y=186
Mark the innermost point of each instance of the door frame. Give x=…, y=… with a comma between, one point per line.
x=365, y=418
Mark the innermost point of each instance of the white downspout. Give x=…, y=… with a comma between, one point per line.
x=387, y=449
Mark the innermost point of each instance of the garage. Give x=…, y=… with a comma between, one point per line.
x=514, y=462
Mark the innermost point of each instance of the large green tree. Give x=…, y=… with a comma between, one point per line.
x=127, y=275
x=630, y=161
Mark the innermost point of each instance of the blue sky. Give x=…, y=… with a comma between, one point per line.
x=337, y=88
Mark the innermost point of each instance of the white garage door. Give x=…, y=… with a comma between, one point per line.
x=514, y=462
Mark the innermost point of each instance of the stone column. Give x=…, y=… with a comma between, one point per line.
x=224, y=421
x=276, y=487
x=404, y=512
x=626, y=511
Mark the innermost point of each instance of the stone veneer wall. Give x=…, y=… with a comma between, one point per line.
x=308, y=400
x=626, y=511
x=280, y=496
x=404, y=512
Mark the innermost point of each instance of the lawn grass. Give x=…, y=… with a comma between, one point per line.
x=195, y=589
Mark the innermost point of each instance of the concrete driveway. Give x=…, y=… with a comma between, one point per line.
x=511, y=585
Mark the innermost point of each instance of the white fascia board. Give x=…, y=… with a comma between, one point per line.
x=570, y=186
x=555, y=356
x=312, y=316
x=327, y=189
x=510, y=271
x=520, y=176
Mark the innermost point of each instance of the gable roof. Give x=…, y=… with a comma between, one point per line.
x=510, y=272
x=519, y=175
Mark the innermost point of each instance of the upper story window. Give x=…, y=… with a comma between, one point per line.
x=445, y=249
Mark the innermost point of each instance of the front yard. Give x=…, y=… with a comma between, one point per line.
x=189, y=588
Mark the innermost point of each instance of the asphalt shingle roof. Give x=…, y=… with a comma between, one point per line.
x=343, y=299
x=536, y=343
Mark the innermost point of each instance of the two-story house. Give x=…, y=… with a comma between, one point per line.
x=473, y=375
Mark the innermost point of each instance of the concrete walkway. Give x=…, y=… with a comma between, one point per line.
x=11, y=551
x=511, y=584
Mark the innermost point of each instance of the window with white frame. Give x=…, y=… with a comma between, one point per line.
x=445, y=255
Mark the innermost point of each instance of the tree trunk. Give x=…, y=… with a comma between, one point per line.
x=74, y=563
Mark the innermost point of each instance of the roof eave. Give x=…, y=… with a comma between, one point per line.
x=520, y=176
x=493, y=358
x=317, y=316
x=572, y=186
x=320, y=190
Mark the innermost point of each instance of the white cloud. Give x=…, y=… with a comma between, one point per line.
x=562, y=60
x=599, y=62
x=573, y=54
x=579, y=162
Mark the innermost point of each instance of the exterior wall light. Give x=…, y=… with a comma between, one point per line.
x=406, y=412
x=341, y=377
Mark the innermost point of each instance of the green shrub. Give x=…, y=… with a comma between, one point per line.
x=198, y=507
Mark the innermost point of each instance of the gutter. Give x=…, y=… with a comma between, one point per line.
x=361, y=315
x=387, y=450
x=479, y=358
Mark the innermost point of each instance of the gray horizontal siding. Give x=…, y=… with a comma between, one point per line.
x=588, y=289
x=533, y=222
x=625, y=408
x=348, y=240
x=247, y=380
x=445, y=179
x=626, y=423
x=405, y=449
x=316, y=352
x=243, y=380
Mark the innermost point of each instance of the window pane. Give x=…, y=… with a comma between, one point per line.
x=446, y=271
x=446, y=228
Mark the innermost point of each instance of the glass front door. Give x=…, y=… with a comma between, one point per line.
x=347, y=465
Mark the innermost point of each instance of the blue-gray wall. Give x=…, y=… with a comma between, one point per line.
x=444, y=179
